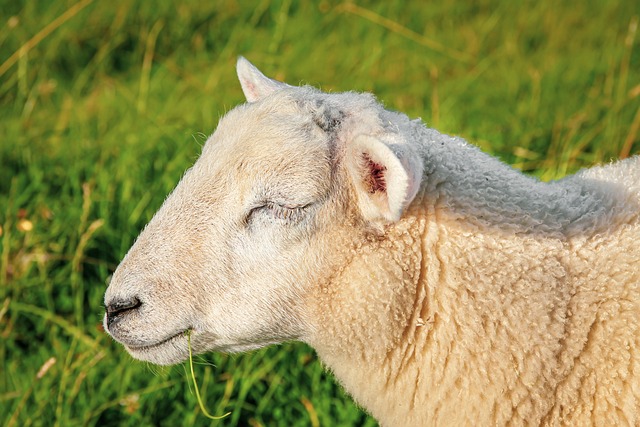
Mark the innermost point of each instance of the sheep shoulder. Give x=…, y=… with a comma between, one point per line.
x=518, y=297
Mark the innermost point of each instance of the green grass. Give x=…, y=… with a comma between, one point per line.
x=103, y=105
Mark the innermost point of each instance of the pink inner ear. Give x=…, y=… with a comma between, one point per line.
x=375, y=179
x=250, y=90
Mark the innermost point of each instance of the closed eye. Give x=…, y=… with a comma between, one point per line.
x=277, y=212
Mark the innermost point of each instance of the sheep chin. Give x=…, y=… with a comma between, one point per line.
x=167, y=352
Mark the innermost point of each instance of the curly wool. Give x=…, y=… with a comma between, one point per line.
x=496, y=299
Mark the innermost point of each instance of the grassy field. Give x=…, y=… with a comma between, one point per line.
x=103, y=105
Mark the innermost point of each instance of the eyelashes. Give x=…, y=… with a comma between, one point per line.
x=285, y=213
x=277, y=212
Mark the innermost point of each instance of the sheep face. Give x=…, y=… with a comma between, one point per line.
x=286, y=185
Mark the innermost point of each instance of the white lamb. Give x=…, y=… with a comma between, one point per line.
x=441, y=286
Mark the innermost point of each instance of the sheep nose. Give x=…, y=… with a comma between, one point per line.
x=115, y=309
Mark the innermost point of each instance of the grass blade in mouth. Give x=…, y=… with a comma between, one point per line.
x=195, y=385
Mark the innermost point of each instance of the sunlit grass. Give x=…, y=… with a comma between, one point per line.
x=103, y=106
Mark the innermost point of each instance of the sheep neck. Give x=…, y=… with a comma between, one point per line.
x=432, y=315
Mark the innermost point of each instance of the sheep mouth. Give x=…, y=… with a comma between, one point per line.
x=150, y=347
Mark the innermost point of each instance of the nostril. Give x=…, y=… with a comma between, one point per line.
x=119, y=307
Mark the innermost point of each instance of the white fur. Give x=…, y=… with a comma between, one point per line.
x=454, y=290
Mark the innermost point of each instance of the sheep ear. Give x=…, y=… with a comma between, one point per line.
x=387, y=177
x=255, y=85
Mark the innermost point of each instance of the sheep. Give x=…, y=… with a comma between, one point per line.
x=439, y=285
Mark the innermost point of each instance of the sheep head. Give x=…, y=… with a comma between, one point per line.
x=285, y=186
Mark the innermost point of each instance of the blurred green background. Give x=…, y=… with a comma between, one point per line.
x=104, y=104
